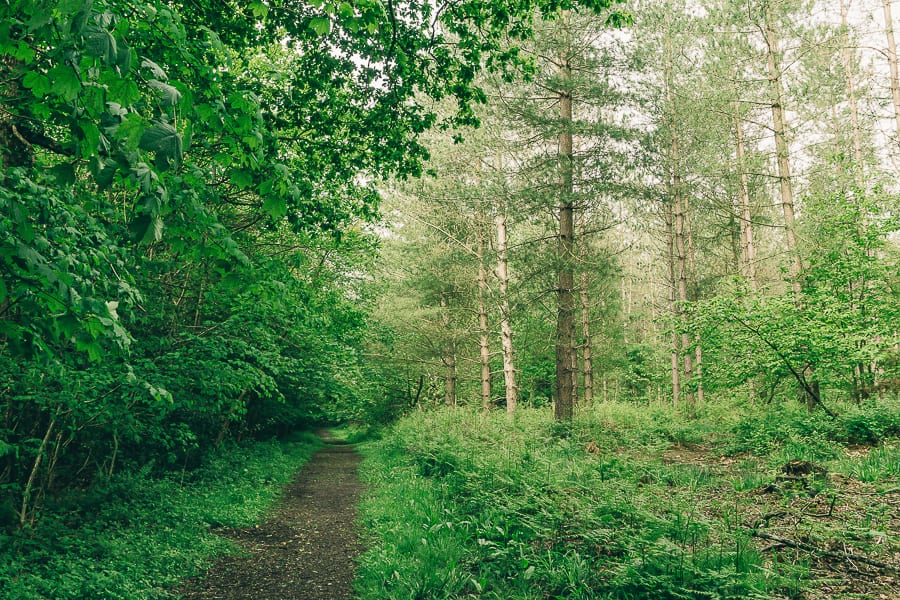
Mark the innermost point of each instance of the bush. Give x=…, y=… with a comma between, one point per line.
x=871, y=423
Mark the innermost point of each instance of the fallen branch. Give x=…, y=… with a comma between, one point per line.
x=813, y=549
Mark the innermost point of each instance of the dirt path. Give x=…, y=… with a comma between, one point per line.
x=305, y=549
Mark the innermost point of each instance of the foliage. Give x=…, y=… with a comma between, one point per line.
x=136, y=536
x=762, y=430
x=840, y=324
x=501, y=509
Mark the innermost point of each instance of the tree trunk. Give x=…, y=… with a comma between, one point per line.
x=483, y=331
x=587, y=353
x=449, y=360
x=810, y=391
x=892, y=62
x=779, y=128
x=670, y=255
x=509, y=371
x=847, y=57
x=565, y=323
x=748, y=250
x=693, y=295
x=681, y=264
x=35, y=467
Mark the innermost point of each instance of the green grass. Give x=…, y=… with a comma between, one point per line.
x=881, y=464
x=629, y=502
x=136, y=536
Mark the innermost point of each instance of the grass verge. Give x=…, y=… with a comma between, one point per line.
x=136, y=536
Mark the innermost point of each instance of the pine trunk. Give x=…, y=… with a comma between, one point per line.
x=892, y=62
x=565, y=324
x=509, y=371
x=587, y=354
x=483, y=331
x=681, y=264
x=773, y=63
x=748, y=249
x=779, y=128
x=670, y=255
x=449, y=360
x=847, y=57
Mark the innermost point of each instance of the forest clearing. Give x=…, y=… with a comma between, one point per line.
x=600, y=297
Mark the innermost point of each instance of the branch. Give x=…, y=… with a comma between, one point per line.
x=36, y=138
x=813, y=549
x=798, y=376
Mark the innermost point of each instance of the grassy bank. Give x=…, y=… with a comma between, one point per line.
x=137, y=535
x=634, y=503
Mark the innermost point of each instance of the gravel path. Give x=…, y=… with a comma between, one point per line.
x=305, y=549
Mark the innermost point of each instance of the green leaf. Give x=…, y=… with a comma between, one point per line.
x=123, y=58
x=320, y=25
x=38, y=84
x=123, y=91
x=169, y=93
x=146, y=228
x=275, y=206
x=64, y=174
x=90, y=136
x=154, y=68
x=242, y=178
x=65, y=82
x=24, y=52
x=164, y=141
x=100, y=43
x=105, y=176
x=130, y=131
x=259, y=10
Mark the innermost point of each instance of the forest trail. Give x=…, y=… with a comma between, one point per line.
x=305, y=548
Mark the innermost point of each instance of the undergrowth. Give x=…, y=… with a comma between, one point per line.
x=468, y=505
x=137, y=535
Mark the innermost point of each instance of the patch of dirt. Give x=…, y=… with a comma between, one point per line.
x=305, y=549
x=686, y=453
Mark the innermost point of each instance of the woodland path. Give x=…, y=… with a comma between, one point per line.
x=304, y=549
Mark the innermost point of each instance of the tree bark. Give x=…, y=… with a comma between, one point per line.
x=745, y=219
x=773, y=65
x=847, y=58
x=565, y=323
x=681, y=262
x=892, y=63
x=509, y=371
x=29, y=485
x=670, y=255
x=693, y=295
x=449, y=360
x=15, y=150
x=587, y=354
x=483, y=331
x=782, y=153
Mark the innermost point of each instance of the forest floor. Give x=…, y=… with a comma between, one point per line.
x=305, y=548
x=633, y=502
x=844, y=530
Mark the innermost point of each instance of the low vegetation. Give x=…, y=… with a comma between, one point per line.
x=635, y=502
x=136, y=535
